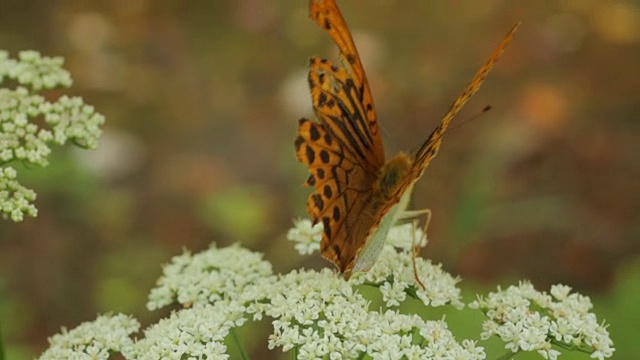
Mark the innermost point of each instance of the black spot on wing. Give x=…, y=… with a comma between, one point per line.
x=328, y=139
x=311, y=155
x=336, y=213
x=322, y=99
x=311, y=181
x=313, y=133
x=317, y=201
x=299, y=141
x=326, y=222
x=328, y=193
x=324, y=156
x=336, y=249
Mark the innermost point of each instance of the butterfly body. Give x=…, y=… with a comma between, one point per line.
x=391, y=173
x=358, y=195
x=374, y=242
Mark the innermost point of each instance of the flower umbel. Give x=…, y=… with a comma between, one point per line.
x=530, y=320
x=214, y=274
x=322, y=316
x=306, y=236
x=194, y=333
x=93, y=340
x=21, y=139
x=319, y=315
x=316, y=313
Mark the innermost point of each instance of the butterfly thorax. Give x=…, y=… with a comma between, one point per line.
x=388, y=180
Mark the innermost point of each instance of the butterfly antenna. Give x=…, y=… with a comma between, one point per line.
x=430, y=147
x=471, y=118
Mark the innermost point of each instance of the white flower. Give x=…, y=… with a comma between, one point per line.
x=93, y=340
x=528, y=320
x=15, y=199
x=39, y=72
x=393, y=293
x=197, y=332
x=396, y=270
x=393, y=271
x=212, y=275
x=320, y=315
x=306, y=236
x=406, y=236
x=560, y=292
x=21, y=139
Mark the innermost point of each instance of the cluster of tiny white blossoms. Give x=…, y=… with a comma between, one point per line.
x=35, y=71
x=214, y=288
x=317, y=314
x=93, y=340
x=305, y=236
x=393, y=272
x=321, y=316
x=15, y=199
x=194, y=333
x=21, y=140
x=231, y=273
x=530, y=320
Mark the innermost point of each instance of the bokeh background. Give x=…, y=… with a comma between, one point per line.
x=202, y=100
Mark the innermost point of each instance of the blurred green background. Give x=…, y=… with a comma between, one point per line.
x=202, y=101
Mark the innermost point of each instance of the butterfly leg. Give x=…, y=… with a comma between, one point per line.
x=416, y=247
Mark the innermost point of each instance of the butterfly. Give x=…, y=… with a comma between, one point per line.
x=358, y=195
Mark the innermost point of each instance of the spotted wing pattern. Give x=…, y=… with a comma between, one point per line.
x=362, y=115
x=343, y=149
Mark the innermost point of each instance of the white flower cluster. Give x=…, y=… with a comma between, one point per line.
x=321, y=316
x=93, y=340
x=68, y=119
x=393, y=271
x=212, y=275
x=315, y=313
x=194, y=333
x=20, y=139
x=15, y=199
x=318, y=315
x=35, y=71
x=529, y=320
x=306, y=236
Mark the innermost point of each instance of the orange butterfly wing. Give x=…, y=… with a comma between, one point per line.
x=326, y=14
x=394, y=182
x=343, y=150
x=354, y=187
x=430, y=147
